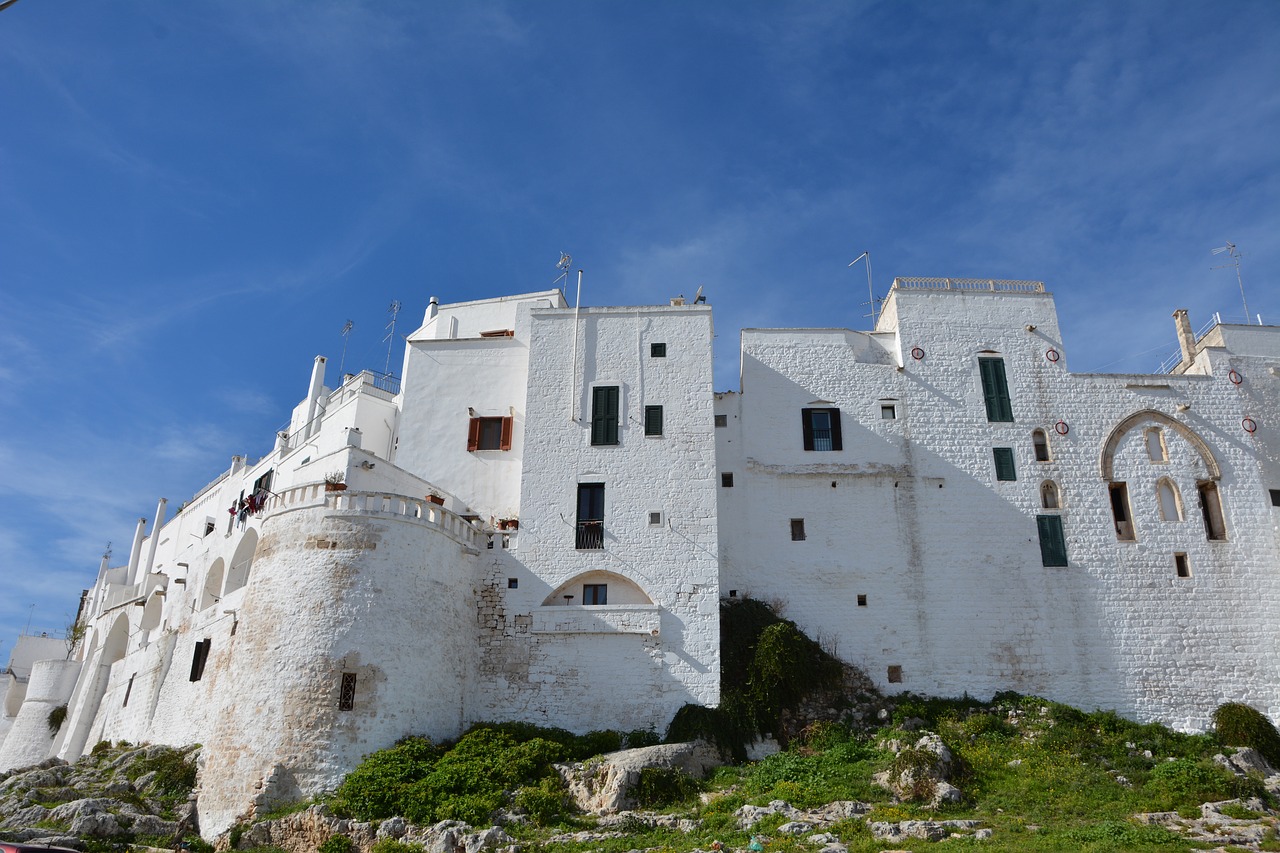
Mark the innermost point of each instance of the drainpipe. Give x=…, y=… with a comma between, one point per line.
x=313, y=395
x=131, y=576
x=155, y=536
x=1186, y=337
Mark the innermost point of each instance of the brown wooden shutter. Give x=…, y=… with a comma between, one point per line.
x=505, y=442
x=473, y=434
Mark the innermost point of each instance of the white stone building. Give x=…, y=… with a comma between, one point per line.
x=539, y=521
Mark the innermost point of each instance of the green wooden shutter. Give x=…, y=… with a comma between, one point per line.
x=604, y=414
x=653, y=420
x=1053, y=544
x=995, y=389
x=1005, y=469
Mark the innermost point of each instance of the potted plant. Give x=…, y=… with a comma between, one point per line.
x=333, y=481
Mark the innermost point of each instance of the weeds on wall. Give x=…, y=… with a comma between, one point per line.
x=1237, y=724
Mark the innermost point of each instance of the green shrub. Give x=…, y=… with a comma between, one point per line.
x=1125, y=836
x=337, y=844
x=376, y=789
x=640, y=737
x=663, y=786
x=544, y=803
x=57, y=717
x=1237, y=724
x=1185, y=782
x=390, y=845
x=175, y=772
x=102, y=747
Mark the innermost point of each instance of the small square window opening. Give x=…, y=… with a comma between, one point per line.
x=1275, y=497
x=862, y=601
x=657, y=350
x=655, y=519
x=726, y=480
x=888, y=412
x=797, y=530
x=513, y=583
x=895, y=675
x=1181, y=565
x=722, y=420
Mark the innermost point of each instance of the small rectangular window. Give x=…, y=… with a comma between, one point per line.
x=1181, y=565
x=347, y=692
x=657, y=350
x=208, y=527
x=1053, y=543
x=1215, y=526
x=995, y=390
x=1275, y=497
x=726, y=479
x=513, y=583
x=862, y=601
x=1040, y=442
x=797, y=530
x=653, y=420
x=895, y=675
x=655, y=519
x=595, y=593
x=489, y=434
x=198, y=658
x=1120, y=513
x=722, y=421
x=888, y=412
x=604, y=415
x=1005, y=469
x=820, y=429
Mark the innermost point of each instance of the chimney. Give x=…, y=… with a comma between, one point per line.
x=1186, y=337
x=433, y=308
x=313, y=395
x=135, y=553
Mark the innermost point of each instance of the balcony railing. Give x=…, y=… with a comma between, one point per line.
x=992, y=284
x=822, y=438
x=590, y=536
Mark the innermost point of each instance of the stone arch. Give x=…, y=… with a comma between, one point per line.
x=1050, y=495
x=152, y=611
x=1121, y=429
x=621, y=590
x=212, y=593
x=117, y=642
x=241, y=561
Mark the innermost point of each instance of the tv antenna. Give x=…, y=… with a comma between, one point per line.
x=393, y=309
x=871, y=295
x=346, y=335
x=566, y=261
x=1234, y=254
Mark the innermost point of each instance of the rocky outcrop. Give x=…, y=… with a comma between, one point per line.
x=604, y=784
x=920, y=772
x=305, y=831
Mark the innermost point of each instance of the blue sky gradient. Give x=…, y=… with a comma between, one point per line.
x=196, y=196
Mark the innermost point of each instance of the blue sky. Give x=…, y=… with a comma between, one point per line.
x=196, y=196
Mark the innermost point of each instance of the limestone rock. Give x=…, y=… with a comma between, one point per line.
x=603, y=785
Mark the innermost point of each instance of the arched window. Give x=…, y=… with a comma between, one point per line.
x=1050, y=498
x=1040, y=442
x=1169, y=501
x=1156, y=449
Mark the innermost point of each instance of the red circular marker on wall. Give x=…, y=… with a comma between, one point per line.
x=1061, y=428
x=917, y=353
x=1235, y=378
x=1052, y=354
x=1249, y=424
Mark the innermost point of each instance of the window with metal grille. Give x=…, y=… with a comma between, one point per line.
x=995, y=389
x=1005, y=469
x=604, y=415
x=797, y=530
x=490, y=434
x=199, y=657
x=821, y=429
x=657, y=350
x=347, y=693
x=1053, y=543
x=590, y=532
x=862, y=601
x=595, y=593
x=653, y=420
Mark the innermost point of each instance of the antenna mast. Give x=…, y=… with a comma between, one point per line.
x=1234, y=254
x=346, y=335
x=393, y=309
x=871, y=295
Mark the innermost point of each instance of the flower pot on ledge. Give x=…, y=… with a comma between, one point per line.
x=335, y=487
x=436, y=499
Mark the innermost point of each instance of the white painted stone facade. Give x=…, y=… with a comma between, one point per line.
x=488, y=503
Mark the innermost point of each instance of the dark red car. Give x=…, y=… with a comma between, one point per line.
x=14, y=847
